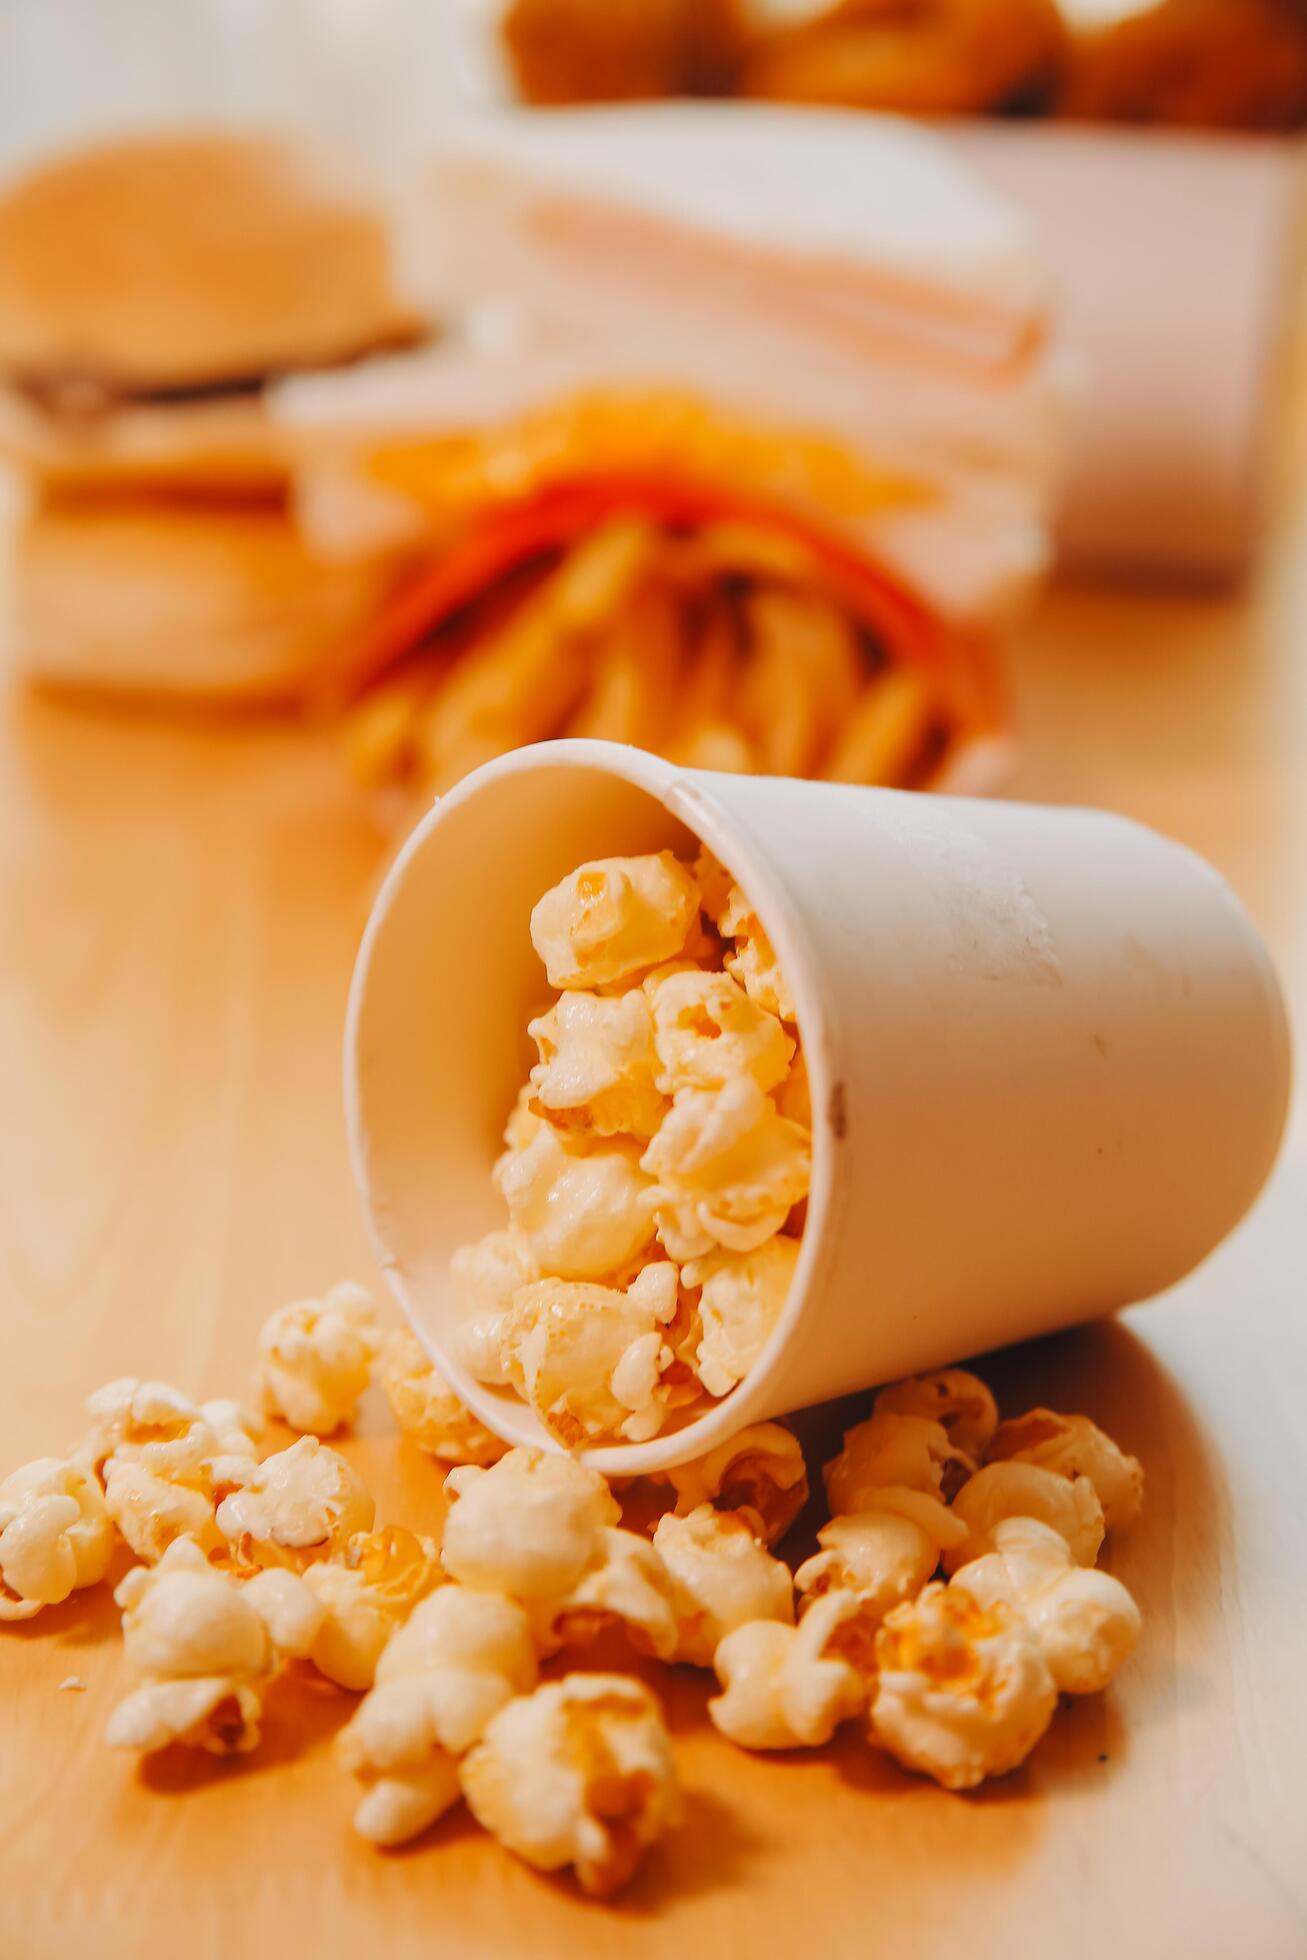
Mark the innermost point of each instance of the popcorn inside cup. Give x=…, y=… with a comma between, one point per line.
x=655, y=1170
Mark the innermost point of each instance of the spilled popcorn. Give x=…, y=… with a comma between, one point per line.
x=470, y=1646
x=656, y=1162
x=459, y=1659
x=316, y=1357
x=578, y=1773
x=56, y=1536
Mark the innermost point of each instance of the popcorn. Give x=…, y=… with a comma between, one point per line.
x=542, y=1529
x=707, y=1032
x=760, y=1475
x=1023, y=1490
x=427, y=1409
x=788, y=1687
x=55, y=1536
x=166, y=1462
x=1073, y=1446
x=755, y=965
x=205, y=1648
x=960, y=1402
x=404, y=1803
x=258, y=1564
x=1085, y=1621
x=588, y=1359
x=218, y=1713
x=579, y=1773
x=584, y=1209
x=151, y=1512
x=682, y=1334
x=626, y=1584
x=721, y=1577
x=301, y=1504
x=155, y=1425
x=288, y=1607
x=613, y=918
x=523, y=1122
x=136, y=1416
x=316, y=1359
x=595, y=1076
x=740, y=1303
x=459, y=1659
x=367, y=1594
x=753, y=962
x=932, y=1517
x=529, y=1526
x=876, y=1557
x=728, y=1168
x=906, y=1450
x=559, y=1306
x=963, y=1691
x=484, y=1276
x=715, y=883
x=794, y=1096
x=237, y=1429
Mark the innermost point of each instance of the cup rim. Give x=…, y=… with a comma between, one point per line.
x=687, y=796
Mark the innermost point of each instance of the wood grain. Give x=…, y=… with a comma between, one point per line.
x=179, y=908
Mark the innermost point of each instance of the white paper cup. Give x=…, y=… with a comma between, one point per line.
x=1049, y=1058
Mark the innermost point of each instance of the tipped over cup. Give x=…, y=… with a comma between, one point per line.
x=1047, y=1050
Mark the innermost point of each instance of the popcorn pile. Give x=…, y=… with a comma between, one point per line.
x=656, y=1164
x=460, y=1643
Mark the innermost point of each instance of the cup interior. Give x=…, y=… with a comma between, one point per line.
x=437, y=1048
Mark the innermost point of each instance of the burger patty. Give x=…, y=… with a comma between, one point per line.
x=78, y=395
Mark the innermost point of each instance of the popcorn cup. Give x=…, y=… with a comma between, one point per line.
x=1048, y=1055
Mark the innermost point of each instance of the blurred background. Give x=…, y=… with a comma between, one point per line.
x=298, y=379
x=1146, y=154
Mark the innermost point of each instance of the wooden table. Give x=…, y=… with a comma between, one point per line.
x=179, y=910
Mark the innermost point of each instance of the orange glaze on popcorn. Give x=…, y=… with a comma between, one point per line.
x=952, y=1661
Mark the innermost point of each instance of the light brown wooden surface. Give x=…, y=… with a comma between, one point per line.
x=178, y=915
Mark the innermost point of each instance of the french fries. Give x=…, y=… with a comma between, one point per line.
x=886, y=731
x=724, y=647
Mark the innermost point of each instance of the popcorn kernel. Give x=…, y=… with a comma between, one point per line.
x=721, y=1577
x=427, y=1409
x=1086, y=1622
x=1023, y=1490
x=963, y=1691
x=1073, y=1446
x=55, y=1536
x=613, y=918
x=728, y=1168
x=960, y=1402
x=786, y=1687
x=301, y=1504
x=579, y=1773
x=316, y=1359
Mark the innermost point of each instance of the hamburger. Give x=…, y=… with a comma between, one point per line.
x=151, y=288
x=151, y=292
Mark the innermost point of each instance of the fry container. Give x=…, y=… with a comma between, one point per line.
x=1048, y=1054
